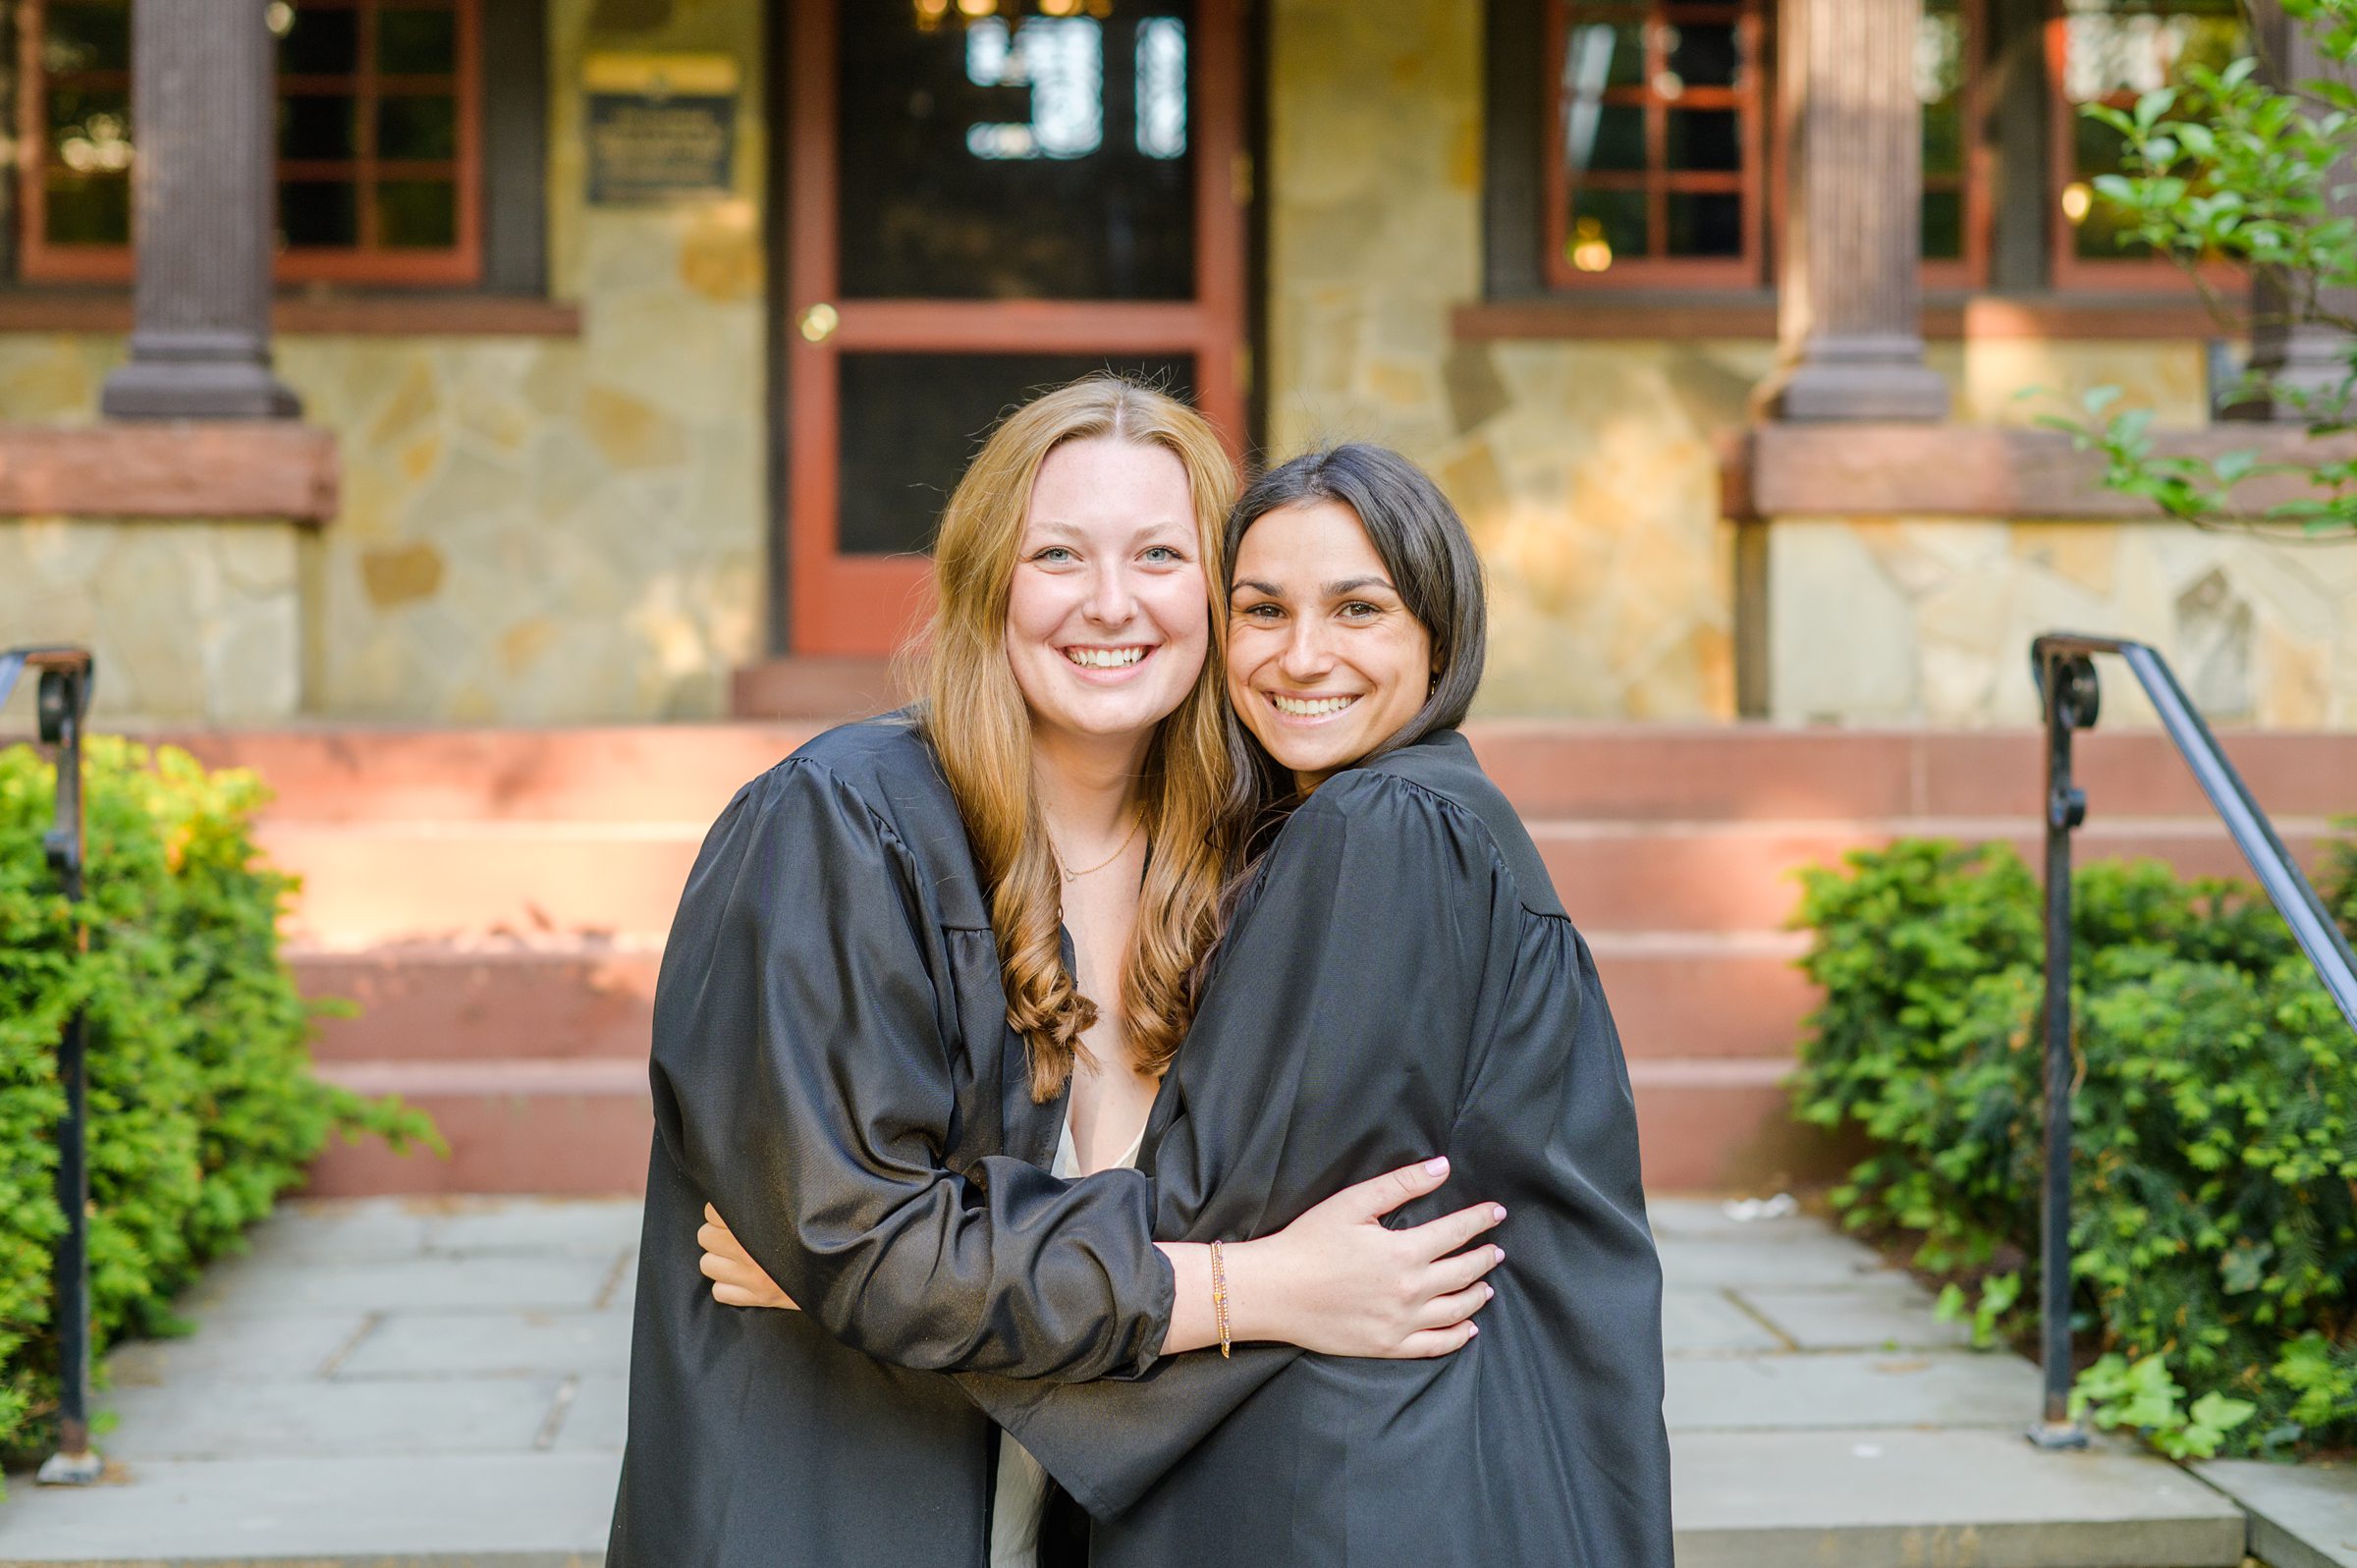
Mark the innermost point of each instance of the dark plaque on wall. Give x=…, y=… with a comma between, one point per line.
x=660, y=127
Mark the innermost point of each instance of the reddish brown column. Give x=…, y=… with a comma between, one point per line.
x=1850, y=306
x=202, y=105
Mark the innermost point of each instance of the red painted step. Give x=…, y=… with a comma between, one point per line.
x=389, y=880
x=582, y=1128
x=1550, y=769
x=1674, y=994
x=496, y=899
x=571, y=999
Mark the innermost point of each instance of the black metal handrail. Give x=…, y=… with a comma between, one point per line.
x=2065, y=666
x=62, y=701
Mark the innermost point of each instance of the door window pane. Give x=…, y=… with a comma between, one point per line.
x=912, y=421
x=1039, y=157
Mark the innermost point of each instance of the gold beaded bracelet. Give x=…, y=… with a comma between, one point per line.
x=1218, y=1295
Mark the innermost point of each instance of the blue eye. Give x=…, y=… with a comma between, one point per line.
x=1164, y=556
x=1054, y=556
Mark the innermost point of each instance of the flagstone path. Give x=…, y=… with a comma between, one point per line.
x=401, y=1383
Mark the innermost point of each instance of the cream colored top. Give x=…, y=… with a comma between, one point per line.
x=1023, y=1486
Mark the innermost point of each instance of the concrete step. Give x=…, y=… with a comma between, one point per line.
x=1549, y=767
x=1673, y=993
x=611, y=773
x=496, y=901
x=560, y=1127
x=532, y=1059
x=1864, y=1498
x=568, y=997
x=386, y=881
x=580, y=1127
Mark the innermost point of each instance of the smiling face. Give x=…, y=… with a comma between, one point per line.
x=1323, y=660
x=1108, y=621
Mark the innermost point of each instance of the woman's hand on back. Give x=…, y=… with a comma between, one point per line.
x=737, y=1280
x=1339, y=1281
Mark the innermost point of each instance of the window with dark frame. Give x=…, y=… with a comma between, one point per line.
x=1654, y=159
x=1658, y=168
x=380, y=143
x=2110, y=51
x=1655, y=162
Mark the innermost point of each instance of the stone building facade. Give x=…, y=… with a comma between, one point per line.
x=573, y=502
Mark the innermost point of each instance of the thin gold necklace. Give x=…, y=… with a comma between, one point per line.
x=1069, y=874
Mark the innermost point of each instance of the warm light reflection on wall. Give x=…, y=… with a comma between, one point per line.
x=2078, y=199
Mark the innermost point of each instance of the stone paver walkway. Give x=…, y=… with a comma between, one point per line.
x=2302, y=1516
x=388, y=1381
x=441, y=1383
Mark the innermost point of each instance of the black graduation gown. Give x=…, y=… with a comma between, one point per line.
x=833, y=1070
x=1402, y=982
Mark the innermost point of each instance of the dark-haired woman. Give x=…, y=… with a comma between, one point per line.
x=872, y=1035
x=1398, y=976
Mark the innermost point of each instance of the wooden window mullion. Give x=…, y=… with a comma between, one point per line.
x=367, y=106
x=1657, y=133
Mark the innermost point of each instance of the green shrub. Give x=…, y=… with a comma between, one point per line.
x=2339, y=884
x=201, y=1107
x=2213, y=1230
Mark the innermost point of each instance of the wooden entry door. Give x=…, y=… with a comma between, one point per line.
x=982, y=207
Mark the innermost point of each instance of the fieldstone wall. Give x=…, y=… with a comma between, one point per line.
x=533, y=529
x=1930, y=619
x=192, y=619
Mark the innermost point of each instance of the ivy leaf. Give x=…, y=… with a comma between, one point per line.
x=2243, y=1267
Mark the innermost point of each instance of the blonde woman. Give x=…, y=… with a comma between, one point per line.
x=872, y=1045
x=1396, y=973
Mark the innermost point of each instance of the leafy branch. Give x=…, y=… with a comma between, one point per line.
x=2227, y=166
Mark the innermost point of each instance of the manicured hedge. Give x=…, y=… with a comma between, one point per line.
x=2214, y=1190
x=202, y=1106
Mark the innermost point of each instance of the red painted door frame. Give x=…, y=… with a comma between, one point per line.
x=838, y=603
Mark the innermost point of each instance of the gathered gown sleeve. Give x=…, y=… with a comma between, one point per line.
x=1333, y=1046
x=803, y=1077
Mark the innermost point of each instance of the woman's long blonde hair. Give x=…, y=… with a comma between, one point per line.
x=975, y=717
